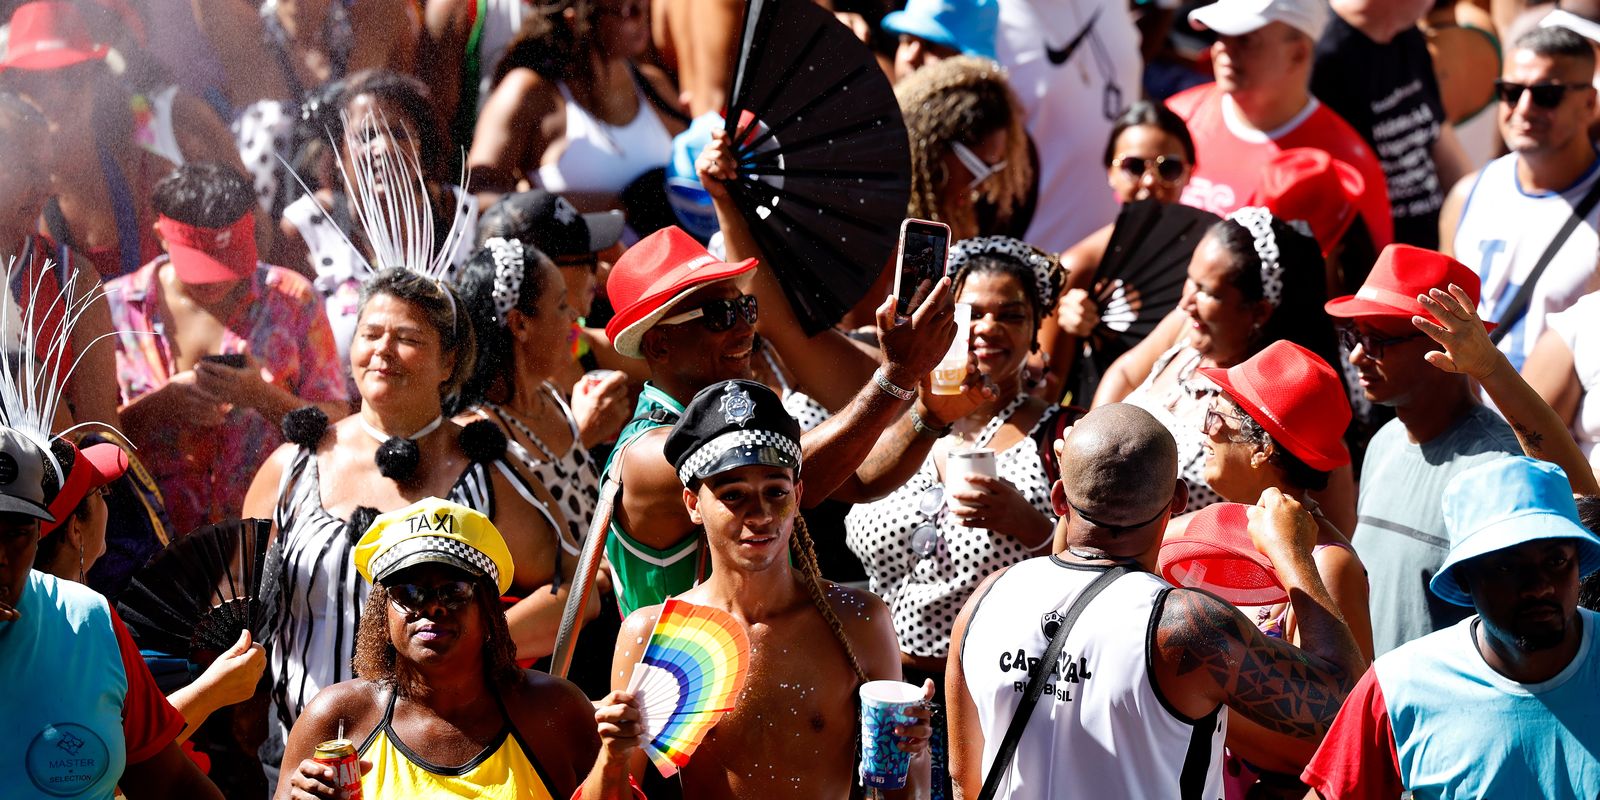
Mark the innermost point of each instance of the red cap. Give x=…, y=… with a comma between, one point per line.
x=49, y=35
x=210, y=255
x=1401, y=273
x=1296, y=397
x=1308, y=184
x=1215, y=553
x=94, y=467
x=654, y=274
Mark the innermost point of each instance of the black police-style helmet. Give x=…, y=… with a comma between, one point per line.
x=729, y=425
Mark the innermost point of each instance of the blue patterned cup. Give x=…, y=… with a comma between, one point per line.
x=884, y=705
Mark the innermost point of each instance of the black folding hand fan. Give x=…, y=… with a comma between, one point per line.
x=824, y=162
x=1139, y=281
x=194, y=598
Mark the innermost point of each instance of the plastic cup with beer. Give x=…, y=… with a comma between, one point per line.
x=885, y=705
x=951, y=372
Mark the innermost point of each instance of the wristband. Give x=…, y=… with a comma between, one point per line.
x=889, y=388
x=922, y=427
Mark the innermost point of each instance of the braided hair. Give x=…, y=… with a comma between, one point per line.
x=961, y=99
x=805, y=554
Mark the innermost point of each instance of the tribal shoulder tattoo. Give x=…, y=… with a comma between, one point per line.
x=1269, y=681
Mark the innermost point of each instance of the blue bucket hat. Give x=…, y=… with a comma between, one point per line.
x=966, y=25
x=1505, y=503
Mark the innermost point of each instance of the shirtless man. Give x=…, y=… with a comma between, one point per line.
x=792, y=731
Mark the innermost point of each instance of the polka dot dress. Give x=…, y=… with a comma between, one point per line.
x=806, y=411
x=925, y=594
x=262, y=132
x=1183, y=410
x=573, y=479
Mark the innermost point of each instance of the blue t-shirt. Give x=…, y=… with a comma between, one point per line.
x=78, y=703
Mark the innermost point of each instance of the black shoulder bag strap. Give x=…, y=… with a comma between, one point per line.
x=1039, y=677
x=1519, y=303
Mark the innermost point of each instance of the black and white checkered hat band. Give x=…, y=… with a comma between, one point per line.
x=453, y=551
x=753, y=441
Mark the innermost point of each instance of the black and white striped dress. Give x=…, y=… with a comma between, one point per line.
x=323, y=594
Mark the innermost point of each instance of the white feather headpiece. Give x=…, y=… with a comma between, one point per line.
x=33, y=379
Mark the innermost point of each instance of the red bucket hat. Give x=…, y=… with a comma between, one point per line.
x=1296, y=397
x=49, y=35
x=93, y=467
x=1401, y=273
x=1215, y=553
x=211, y=255
x=1308, y=184
x=655, y=274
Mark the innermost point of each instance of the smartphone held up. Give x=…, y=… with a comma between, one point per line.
x=924, y=246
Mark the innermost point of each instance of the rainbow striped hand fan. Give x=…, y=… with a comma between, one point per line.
x=690, y=675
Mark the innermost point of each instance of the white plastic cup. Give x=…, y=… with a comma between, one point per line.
x=960, y=464
x=884, y=705
x=951, y=371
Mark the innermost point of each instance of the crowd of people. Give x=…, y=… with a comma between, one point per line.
x=1272, y=473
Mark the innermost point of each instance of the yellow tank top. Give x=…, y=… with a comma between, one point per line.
x=503, y=771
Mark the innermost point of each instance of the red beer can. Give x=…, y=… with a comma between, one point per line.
x=341, y=755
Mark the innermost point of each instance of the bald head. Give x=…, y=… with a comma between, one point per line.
x=1119, y=464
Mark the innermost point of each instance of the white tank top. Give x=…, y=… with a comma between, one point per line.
x=603, y=159
x=1502, y=232
x=1101, y=729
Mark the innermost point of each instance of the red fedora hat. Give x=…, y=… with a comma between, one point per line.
x=1401, y=273
x=1308, y=184
x=49, y=34
x=1296, y=397
x=655, y=274
x=1215, y=553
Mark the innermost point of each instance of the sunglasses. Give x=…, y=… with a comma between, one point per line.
x=1371, y=344
x=1168, y=168
x=451, y=595
x=720, y=314
x=925, y=540
x=1543, y=95
x=981, y=170
x=1114, y=529
x=1216, y=422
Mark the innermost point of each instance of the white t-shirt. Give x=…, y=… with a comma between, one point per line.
x=1070, y=105
x=1502, y=233
x=1579, y=328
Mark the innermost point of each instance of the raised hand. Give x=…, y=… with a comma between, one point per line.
x=1281, y=528
x=913, y=346
x=1467, y=347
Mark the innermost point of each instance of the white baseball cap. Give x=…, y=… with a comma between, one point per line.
x=1239, y=17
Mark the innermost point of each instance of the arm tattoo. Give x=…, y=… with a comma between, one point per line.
x=1269, y=681
x=1532, y=438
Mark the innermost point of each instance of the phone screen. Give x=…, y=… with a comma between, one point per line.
x=923, y=248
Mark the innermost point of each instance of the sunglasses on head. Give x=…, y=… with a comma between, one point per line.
x=981, y=170
x=720, y=314
x=1371, y=344
x=1543, y=95
x=1168, y=168
x=452, y=595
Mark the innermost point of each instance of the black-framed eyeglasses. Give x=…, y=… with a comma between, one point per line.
x=452, y=595
x=1371, y=344
x=1168, y=168
x=1106, y=526
x=1216, y=422
x=1543, y=95
x=720, y=314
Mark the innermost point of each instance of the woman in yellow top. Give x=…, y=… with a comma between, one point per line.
x=439, y=707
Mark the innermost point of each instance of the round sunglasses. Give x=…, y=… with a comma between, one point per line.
x=1168, y=169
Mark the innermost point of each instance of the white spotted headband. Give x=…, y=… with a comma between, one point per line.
x=1258, y=221
x=508, y=272
x=1046, y=268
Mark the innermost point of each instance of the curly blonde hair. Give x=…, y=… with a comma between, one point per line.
x=962, y=99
